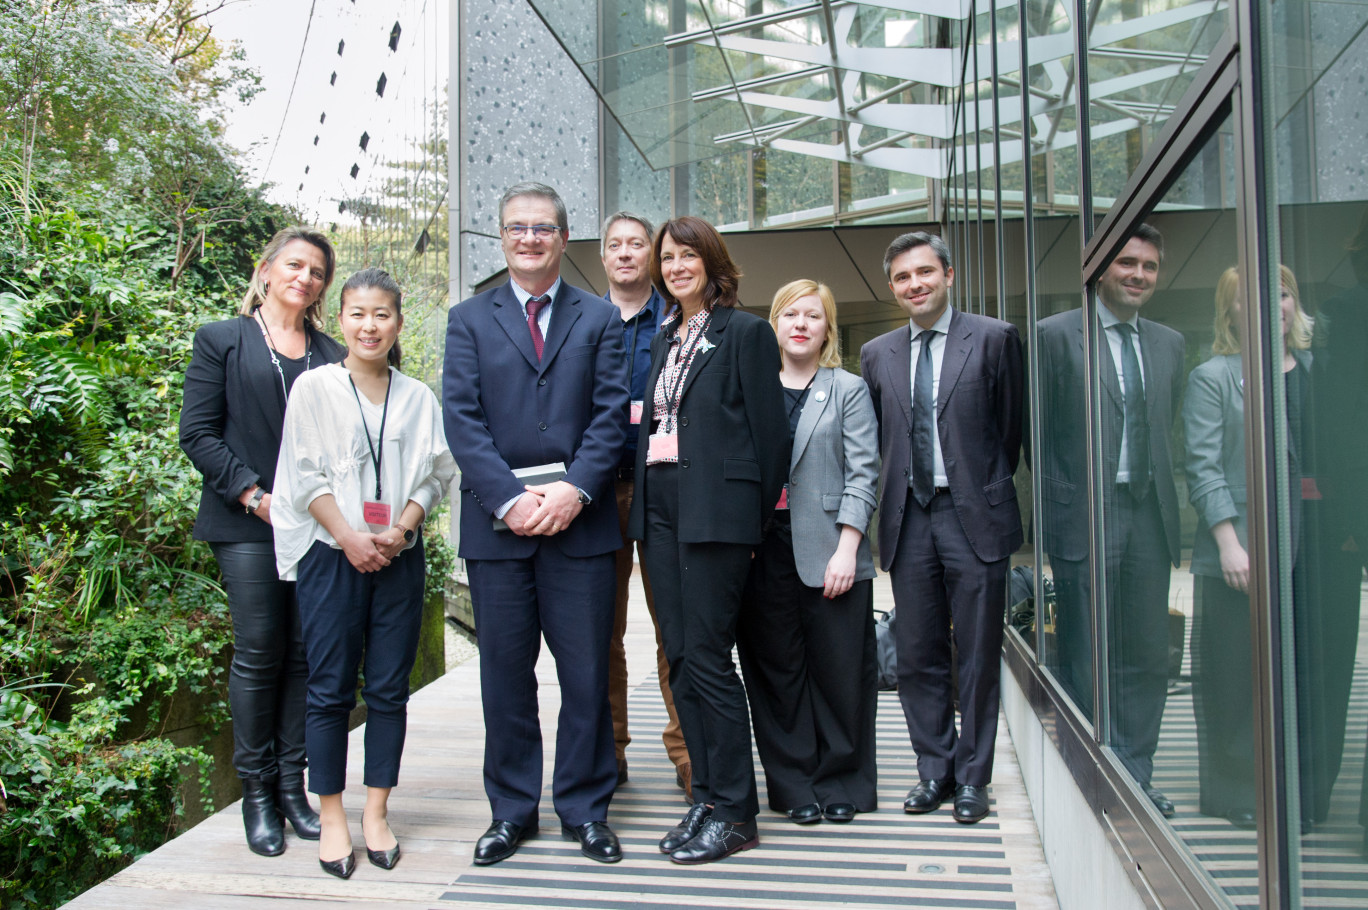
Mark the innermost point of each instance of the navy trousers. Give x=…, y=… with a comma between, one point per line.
x=344, y=614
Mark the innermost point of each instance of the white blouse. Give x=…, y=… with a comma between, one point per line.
x=324, y=450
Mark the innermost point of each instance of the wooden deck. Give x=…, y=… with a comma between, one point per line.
x=882, y=859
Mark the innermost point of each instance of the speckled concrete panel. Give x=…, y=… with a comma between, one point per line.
x=1341, y=99
x=529, y=115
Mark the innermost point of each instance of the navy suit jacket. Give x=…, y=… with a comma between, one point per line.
x=978, y=418
x=503, y=409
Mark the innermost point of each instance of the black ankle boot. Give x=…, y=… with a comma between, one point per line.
x=261, y=818
x=294, y=805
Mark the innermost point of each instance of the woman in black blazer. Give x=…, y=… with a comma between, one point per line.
x=710, y=465
x=233, y=411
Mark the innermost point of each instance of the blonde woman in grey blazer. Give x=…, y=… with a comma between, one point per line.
x=806, y=630
x=1214, y=430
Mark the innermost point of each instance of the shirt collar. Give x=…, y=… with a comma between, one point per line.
x=524, y=296
x=941, y=325
x=1109, y=319
x=654, y=305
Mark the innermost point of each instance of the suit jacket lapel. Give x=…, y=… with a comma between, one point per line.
x=819, y=399
x=564, y=312
x=899, y=372
x=953, y=358
x=509, y=315
x=265, y=380
x=716, y=326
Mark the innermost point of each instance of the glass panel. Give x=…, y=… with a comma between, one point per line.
x=1064, y=614
x=1141, y=59
x=1171, y=472
x=1314, y=77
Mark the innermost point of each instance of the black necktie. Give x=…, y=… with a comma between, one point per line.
x=534, y=306
x=1137, y=424
x=923, y=446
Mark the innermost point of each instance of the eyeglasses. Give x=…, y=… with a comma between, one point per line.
x=539, y=231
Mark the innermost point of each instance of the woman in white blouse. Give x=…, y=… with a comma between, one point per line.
x=362, y=462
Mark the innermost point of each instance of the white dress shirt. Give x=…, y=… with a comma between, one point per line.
x=940, y=331
x=1110, y=321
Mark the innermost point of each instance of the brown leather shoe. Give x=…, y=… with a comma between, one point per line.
x=684, y=780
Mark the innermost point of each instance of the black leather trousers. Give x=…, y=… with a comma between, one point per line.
x=269, y=675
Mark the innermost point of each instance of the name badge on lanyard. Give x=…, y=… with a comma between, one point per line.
x=375, y=511
x=663, y=447
x=638, y=408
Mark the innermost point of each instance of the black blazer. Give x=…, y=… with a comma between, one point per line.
x=733, y=434
x=978, y=418
x=232, y=413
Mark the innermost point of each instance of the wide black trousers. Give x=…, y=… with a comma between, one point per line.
x=810, y=673
x=698, y=588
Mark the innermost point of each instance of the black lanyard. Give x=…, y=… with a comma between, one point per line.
x=375, y=456
x=684, y=361
x=802, y=396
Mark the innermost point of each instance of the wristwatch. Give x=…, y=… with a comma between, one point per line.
x=255, y=501
x=408, y=533
x=584, y=499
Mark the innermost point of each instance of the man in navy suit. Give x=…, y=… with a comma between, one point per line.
x=533, y=376
x=950, y=436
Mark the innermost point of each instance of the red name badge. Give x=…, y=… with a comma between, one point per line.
x=663, y=447
x=637, y=408
x=376, y=513
x=783, y=498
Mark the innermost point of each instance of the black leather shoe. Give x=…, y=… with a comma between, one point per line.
x=500, y=841
x=687, y=828
x=928, y=795
x=1161, y=802
x=342, y=868
x=597, y=841
x=840, y=812
x=261, y=818
x=294, y=805
x=1242, y=818
x=717, y=840
x=971, y=803
x=805, y=815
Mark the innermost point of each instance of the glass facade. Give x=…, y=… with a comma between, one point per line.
x=1170, y=200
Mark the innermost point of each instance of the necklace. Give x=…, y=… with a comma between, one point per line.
x=270, y=346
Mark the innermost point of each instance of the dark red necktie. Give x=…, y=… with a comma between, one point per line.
x=535, y=306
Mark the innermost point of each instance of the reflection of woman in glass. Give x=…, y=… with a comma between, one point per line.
x=806, y=632
x=1213, y=422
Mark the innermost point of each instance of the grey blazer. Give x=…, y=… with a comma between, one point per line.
x=1213, y=429
x=833, y=473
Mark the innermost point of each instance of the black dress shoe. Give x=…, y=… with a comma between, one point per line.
x=971, y=803
x=687, y=828
x=1242, y=818
x=597, y=841
x=500, y=841
x=1161, y=802
x=805, y=815
x=717, y=840
x=928, y=795
x=294, y=805
x=261, y=819
x=342, y=868
x=840, y=812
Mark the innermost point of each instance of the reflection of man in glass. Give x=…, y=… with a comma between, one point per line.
x=1141, y=371
x=1327, y=629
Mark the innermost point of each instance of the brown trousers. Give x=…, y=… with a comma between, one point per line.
x=617, y=651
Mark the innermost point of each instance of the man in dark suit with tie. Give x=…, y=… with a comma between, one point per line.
x=534, y=375
x=1141, y=370
x=950, y=436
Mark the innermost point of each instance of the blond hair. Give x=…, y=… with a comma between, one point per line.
x=1227, y=341
x=256, y=287
x=806, y=287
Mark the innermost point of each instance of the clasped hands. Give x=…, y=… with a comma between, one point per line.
x=545, y=509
